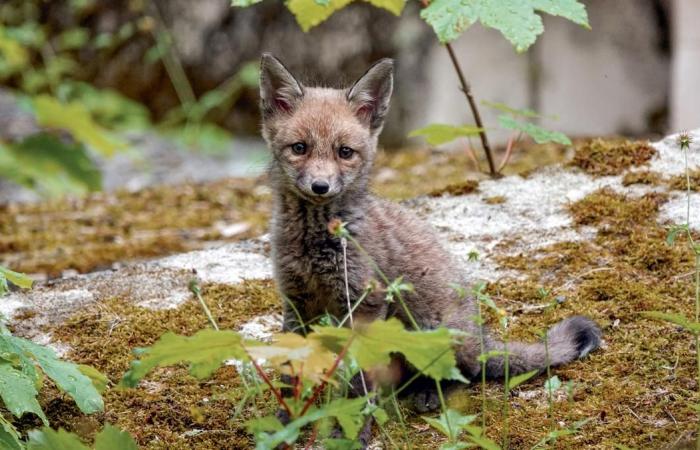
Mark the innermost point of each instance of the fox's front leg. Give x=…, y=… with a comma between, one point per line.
x=292, y=322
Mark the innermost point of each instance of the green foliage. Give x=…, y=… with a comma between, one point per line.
x=75, y=118
x=310, y=13
x=18, y=279
x=50, y=165
x=452, y=424
x=438, y=134
x=515, y=19
x=677, y=319
x=517, y=380
x=552, y=384
x=372, y=345
x=110, y=438
x=205, y=351
x=539, y=134
x=23, y=365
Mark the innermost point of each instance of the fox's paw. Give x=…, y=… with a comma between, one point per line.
x=426, y=400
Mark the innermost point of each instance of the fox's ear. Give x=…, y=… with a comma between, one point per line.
x=279, y=90
x=370, y=94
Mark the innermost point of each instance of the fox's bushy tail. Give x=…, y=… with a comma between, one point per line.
x=568, y=340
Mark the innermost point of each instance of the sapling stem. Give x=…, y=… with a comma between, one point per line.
x=506, y=391
x=344, y=244
x=475, y=111
x=549, y=375
x=483, y=364
x=194, y=287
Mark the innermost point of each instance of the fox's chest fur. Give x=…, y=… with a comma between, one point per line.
x=309, y=261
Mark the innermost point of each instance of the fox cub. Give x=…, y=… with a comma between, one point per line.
x=323, y=144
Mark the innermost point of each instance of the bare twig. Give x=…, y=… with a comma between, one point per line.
x=328, y=376
x=267, y=381
x=475, y=111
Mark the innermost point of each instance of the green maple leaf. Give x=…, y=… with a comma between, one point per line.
x=517, y=20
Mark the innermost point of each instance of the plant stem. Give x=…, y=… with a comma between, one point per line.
x=267, y=381
x=194, y=287
x=549, y=376
x=483, y=366
x=443, y=405
x=328, y=376
x=506, y=391
x=475, y=111
x=386, y=280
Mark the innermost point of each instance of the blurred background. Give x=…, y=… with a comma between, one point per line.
x=128, y=96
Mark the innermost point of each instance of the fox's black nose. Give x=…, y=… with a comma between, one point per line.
x=320, y=187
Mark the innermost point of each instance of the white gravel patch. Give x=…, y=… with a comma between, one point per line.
x=227, y=264
x=262, y=328
x=670, y=160
x=534, y=215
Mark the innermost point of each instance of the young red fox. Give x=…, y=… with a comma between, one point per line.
x=323, y=143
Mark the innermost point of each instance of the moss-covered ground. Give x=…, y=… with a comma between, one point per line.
x=91, y=233
x=637, y=391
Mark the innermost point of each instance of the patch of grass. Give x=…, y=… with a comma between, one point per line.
x=601, y=157
x=495, y=200
x=462, y=188
x=93, y=232
x=616, y=211
x=642, y=177
x=680, y=182
x=171, y=409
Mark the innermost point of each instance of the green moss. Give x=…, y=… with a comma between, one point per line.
x=93, y=232
x=680, y=182
x=461, y=188
x=495, y=200
x=642, y=177
x=606, y=207
x=170, y=409
x=611, y=157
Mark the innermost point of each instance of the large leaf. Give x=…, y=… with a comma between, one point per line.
x=75, y=118
x=678, y=319
x=450, y=423
x=269, y=432
x=509, y=110
x=205, y=351
x=48, y=439
x=539, y=134
x=517, y=380
x=515, y=19
x=112, y=438
x=310, y=13
x=18, y=392
x=437, y=133
x=49, y=165
x=16, y=278
x=14, y=57
x=430, y=351
x=9, y=438
x=289, y=351
x=66, y=375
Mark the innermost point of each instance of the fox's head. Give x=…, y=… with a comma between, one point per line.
x=323, y=140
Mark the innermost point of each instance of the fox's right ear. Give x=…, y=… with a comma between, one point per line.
x=279, y=90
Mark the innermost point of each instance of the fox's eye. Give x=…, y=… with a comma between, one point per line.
x=299, y=148
x=345, y=152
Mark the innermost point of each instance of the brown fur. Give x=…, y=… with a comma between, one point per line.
x=308, y=261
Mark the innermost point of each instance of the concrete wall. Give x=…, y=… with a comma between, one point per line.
x=611, y=80
x=685, y=92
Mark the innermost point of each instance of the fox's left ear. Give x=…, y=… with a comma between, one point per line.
x=370, y=94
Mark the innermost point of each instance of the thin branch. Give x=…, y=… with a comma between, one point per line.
x=509, y=150
x=475, y=111
x=323, y=385
x=267, y=381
